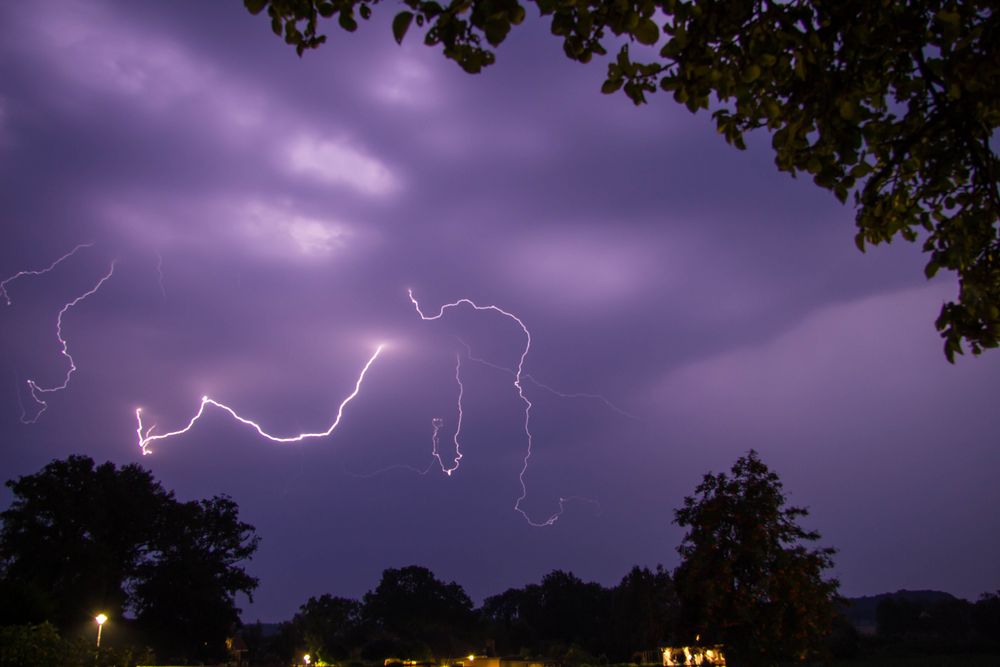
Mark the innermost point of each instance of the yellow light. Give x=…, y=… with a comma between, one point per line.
x=471, y=657
x=101, y=619
x=306, y=658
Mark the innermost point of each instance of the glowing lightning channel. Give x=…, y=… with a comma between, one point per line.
x=146, y=436
x=520, y=392
x=33, y=387
x=159, y=273
x=541, y=385
x=38, y=272
x=438, y=423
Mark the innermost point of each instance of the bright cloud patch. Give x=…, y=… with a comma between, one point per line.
x=338, y=163
x=277, y=229
x=271, y=229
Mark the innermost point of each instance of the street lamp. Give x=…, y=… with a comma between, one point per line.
x=101, y=620
x=307, y=658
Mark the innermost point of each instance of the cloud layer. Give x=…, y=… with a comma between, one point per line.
x=269, y=213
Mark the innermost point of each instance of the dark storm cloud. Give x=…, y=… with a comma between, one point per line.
x=268, y=214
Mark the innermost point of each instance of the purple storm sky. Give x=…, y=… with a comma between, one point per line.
x=268, y=214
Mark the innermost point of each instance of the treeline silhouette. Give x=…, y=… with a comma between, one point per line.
x=919, y=623
x=412, y=615
x=80, y=538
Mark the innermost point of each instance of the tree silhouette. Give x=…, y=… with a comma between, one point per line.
x=79, y=539
x=747, y=580
x=201, y=544
x=644, y=611
x=75, y=535
x=329, y=627
x=418, y=614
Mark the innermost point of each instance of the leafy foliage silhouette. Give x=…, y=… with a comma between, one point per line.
x=79, y=539
x=747, y=579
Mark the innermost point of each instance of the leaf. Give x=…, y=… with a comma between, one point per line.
x=751, y=74
x=800, y=66
x=496, y=31
x=846, y=109
x=950, y=18
x=255, y=6
x=347, y=22
x=612, y=86
x=647, y=32
x=859, y=241
x=400, y=25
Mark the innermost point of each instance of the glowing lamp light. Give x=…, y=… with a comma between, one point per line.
x=307, y=658
x=101, y=620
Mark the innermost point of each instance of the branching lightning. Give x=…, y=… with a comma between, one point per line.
x=518, y=385
x=542, y=385
x=38, y=272
x=438, y=423
x=33, y=387
x=146, y=436
x=398, y=466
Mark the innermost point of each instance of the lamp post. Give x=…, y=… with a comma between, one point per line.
x=101, y=620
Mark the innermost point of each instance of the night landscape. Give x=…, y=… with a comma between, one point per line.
x=489, y=334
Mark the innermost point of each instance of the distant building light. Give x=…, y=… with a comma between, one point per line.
x=694, y=655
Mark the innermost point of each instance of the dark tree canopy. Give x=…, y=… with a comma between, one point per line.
x=79, y=539
x=329, y=627
x=202, y=544
x=569, y=610
x=567, y=618
x=644, y=610
x=896, y=104
x=747, y=578
x=417, y=612
x=76, y=533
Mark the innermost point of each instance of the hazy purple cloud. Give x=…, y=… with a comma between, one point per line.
x=268, y=214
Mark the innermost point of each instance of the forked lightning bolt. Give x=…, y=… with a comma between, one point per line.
x=146, y=436
x=438, y=423
x=33, y=387
x=37, y=272
x=520, y=392
x=542, y=385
